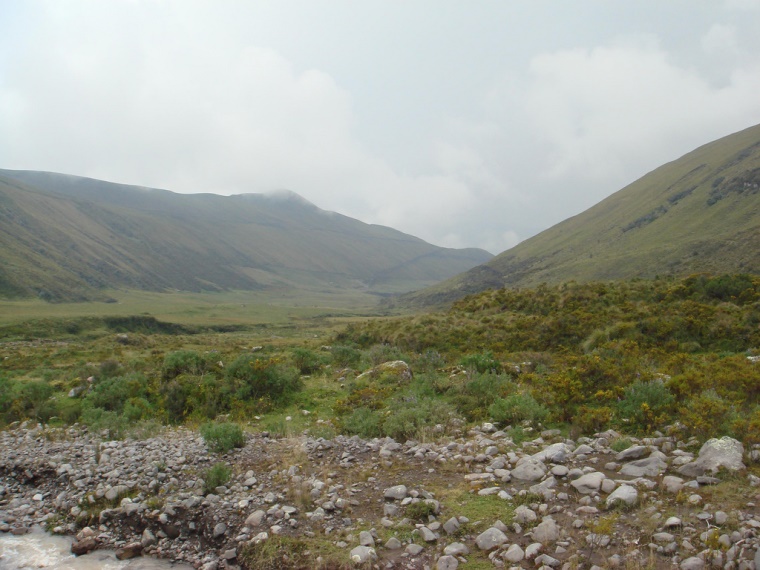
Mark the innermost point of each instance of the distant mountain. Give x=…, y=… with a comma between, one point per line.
x=700, y=213
x=67, y=238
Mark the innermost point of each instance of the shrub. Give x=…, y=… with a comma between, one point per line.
x=252, y=378
x=707, y=415
x=593, y=419
x=413, y=417
x=420, y=511
x=222, y=437
x=517, y=408
x=111, y=394
x=307, y=361
x=483, y=363
x=345, y=356
x=646, y=405
x=478, y=393
x=363, y=422
x=216, y=476
x=184, y=362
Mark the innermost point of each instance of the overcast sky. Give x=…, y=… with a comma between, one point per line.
x=466, y=123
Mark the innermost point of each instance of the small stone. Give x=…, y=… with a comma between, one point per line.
x=456, y=549
x=219, y=530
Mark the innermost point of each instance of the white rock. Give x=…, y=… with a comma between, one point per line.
x=490, y=539
x=625, y=493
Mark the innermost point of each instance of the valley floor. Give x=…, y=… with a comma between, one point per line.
x=473, y=500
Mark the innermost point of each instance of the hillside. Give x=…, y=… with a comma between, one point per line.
x=700, y=213
x=66, y=238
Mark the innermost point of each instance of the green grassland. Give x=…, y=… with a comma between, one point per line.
x=638, y=356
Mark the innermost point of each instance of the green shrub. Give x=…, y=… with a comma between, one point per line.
x=251, y=378
x=646, y=405
x=345, y=356
x=483, y=363
x=222, y=437
x=517, y=408
x=184, y=362
x=363, y=422
x=307, y=361
x=475, y=395
x=99, y=420
x=412, y=418
x=216, y=476
x=111, y=394
x=620, y=444
x=420, y=511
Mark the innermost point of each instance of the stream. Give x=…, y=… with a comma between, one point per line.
x=38, y=549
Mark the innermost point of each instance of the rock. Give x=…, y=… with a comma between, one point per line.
x=524, y=515
x=393, y=543
x=451, y=526
x=625, y=494
x=651, y=466
x=147, y=539
x=413, y=549
x=529, y=470
x=84, y=545
x=588, y=483
x=554, y=453
x=366, y=538
x=490, y=539
x=219, y=529
x=447, y=562
x=546, y=532
x=427, y=534
x=672, y=484
x=255, y=518
x=725, y=452
x=398, y=493
x=131, y=550
x=362, y=554
x=514, y=554
x=397, y=369
x=692, y=563
x=456, y=549
x=633, y=452
x=115, y=492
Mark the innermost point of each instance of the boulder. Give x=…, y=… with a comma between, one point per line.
x=588, y=483
x=362, y=554
x=715, y=454
x=490, y=539
x=625, y=494
x=529, y=469
x=651, y=466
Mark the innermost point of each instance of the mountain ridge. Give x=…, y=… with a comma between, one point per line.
x=65, y=238
x=698, y=213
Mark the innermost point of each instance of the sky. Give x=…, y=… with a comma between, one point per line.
x=466, y=123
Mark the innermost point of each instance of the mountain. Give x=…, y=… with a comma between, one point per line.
x=67, y=238
x=700, y=213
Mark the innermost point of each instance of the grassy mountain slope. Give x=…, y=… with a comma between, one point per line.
x=64, y=237
x=700, y=213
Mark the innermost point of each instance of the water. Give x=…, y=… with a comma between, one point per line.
x=39, y=549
